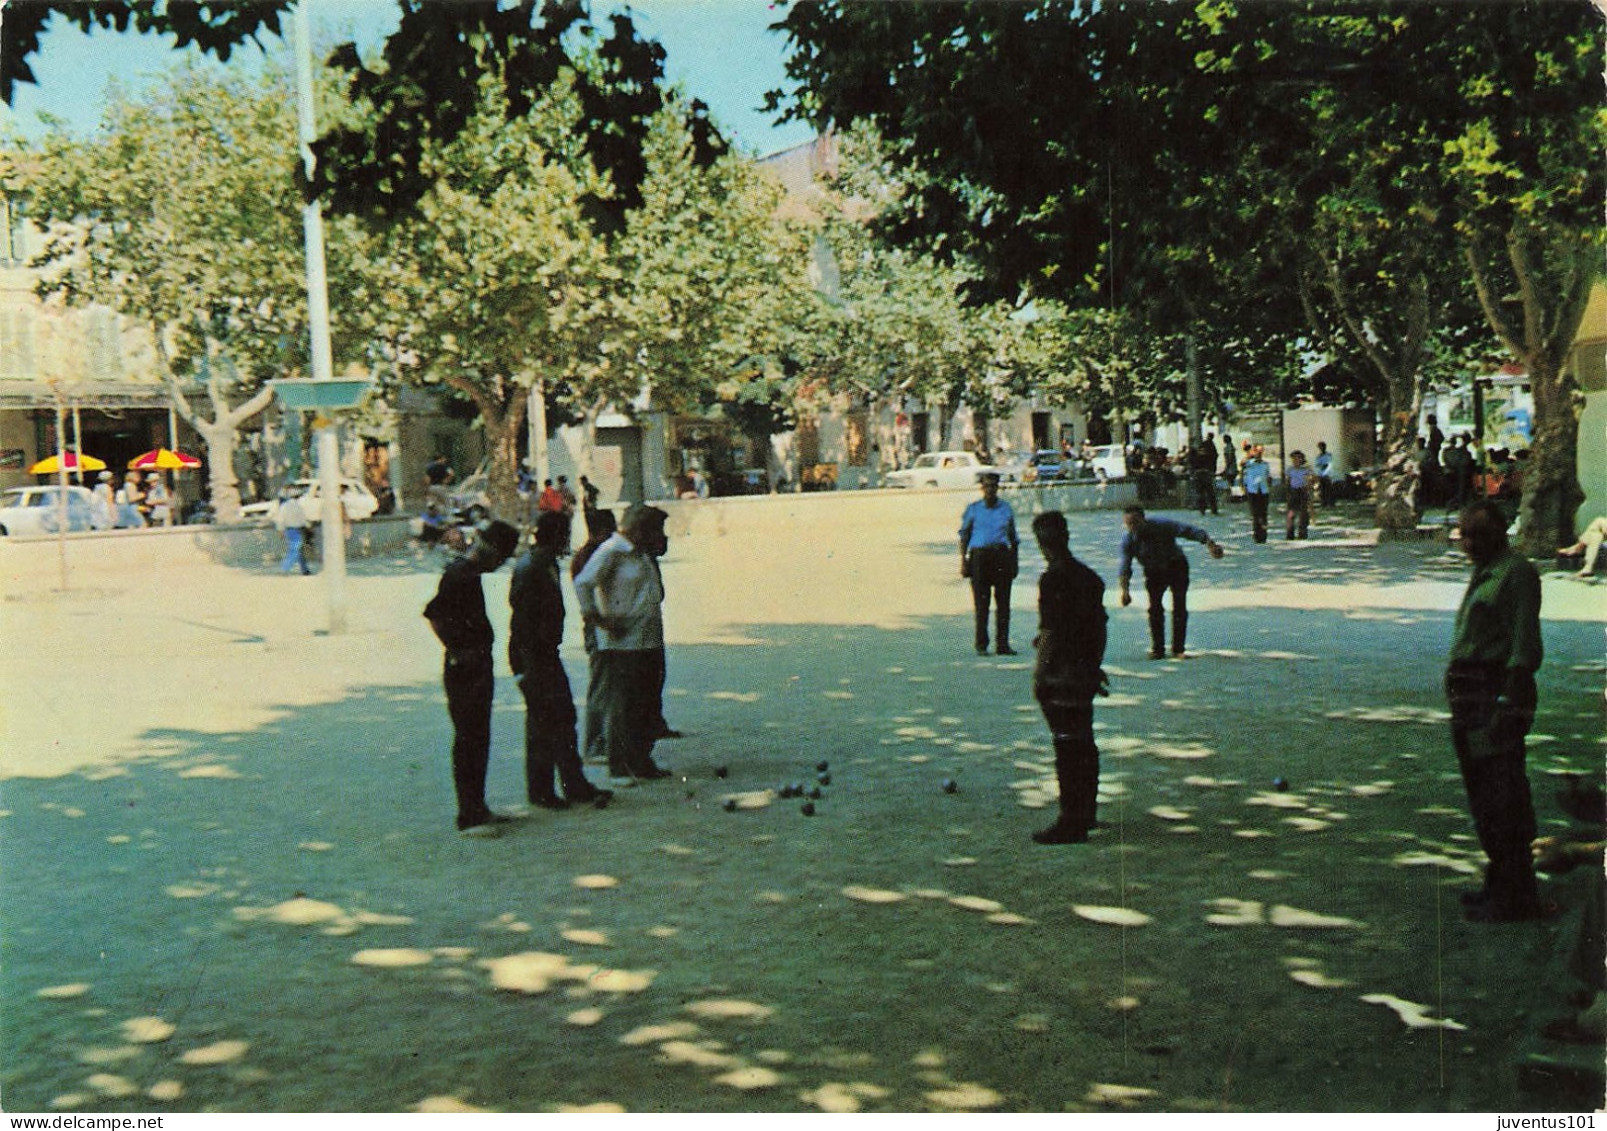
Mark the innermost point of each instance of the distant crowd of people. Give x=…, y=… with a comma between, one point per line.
x=141, y=499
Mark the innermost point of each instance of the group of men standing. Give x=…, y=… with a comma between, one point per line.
x=1489, y=680
x=621, y=594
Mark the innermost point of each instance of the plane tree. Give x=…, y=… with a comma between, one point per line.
x=181, y=214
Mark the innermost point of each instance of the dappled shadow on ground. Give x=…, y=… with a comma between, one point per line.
x=299, y=888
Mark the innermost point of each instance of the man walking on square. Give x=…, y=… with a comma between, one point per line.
x=988, y=557
x=535, y=631
x=457, y=615
x=1067, y=676
x=1152, y=542
x=1490, y=686
x=1257, y=477
x=621, y=595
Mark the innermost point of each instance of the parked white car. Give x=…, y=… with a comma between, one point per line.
x=941, y=469
x=359, y=501
x=1109, y=459
x=37, y=510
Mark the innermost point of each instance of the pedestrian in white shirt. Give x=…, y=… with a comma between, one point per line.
x=621, y=594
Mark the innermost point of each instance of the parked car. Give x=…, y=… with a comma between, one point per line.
x=941, y=469
x=1111, y=459
x=1047, y=466
x=359, y=501
x=37, y=510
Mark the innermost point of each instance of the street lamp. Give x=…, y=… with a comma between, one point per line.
x=323, y=393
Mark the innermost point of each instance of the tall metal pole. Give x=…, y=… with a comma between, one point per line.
x=332, y=520
x=540, y=457
x=61, y=484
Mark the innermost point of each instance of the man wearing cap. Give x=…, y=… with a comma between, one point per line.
x=102, y=516
x=988, y=557
x=457, y=615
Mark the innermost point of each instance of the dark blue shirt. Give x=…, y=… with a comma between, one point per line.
x=1155, y=546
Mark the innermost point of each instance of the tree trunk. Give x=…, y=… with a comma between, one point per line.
x=1395, y=492
x=1540, y=334
x=1396, y=503
x=1551, y=491
x=502, y=473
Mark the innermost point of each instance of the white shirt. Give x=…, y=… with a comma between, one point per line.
x=623, y=583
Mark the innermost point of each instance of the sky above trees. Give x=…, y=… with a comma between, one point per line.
x=719, y=50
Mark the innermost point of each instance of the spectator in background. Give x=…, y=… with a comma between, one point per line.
x=1458, y=473
x=567, y=494
x=290, y=519
x=1323, y=465
x=1230, y=460
x=1257, y=476
x=102, y=508
x=1588, y=547
x=550, y=501
x=131, y=501
x=1297, y=517
x=159, y=501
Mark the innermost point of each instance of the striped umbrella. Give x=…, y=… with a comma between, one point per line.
x=161, y=459
x=53, y=465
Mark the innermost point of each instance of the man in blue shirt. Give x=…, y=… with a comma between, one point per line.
x=1257, y=485
x=1153, y=542
x=988, y=556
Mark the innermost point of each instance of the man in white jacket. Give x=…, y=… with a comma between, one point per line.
x=621, y=594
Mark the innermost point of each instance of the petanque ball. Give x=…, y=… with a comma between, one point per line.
x=823, y=779
x=730, y=805
x=1280, y=785
x=807, y=809
x=721, y=771
x=822, y=767
x=950, y=786
x=783, y=790
x=814, y=792
x=797, y=788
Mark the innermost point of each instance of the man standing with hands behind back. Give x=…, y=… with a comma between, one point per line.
x=988, y=557
x=1489, y=685
x=1067, y=676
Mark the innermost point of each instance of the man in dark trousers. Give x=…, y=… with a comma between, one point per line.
x=1202, y=461
x=988, y=557
x=1153, y=543
x=1490, y=686
x=535, y=631
x=1071, y=646
x=457, y=614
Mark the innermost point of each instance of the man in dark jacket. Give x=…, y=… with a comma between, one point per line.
x=1152, y=542
x=1490, y=686
x=535, y=631
x=457, y=614
x=1071, y=646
